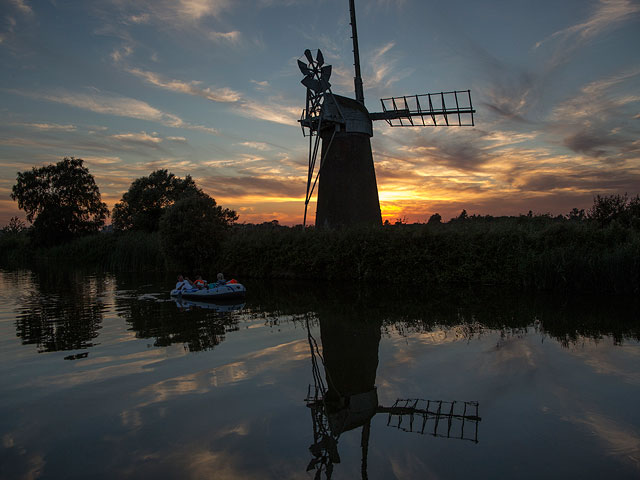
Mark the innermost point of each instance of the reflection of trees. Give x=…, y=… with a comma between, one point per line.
x=61, y=310
x=465, y=312
x=197, y=328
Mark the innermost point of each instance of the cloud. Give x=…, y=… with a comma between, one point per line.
x=256, y=145
x=383, y=71
x=173, y=11
x=606, y=15
x=50, y=126
x=101, y=160
x=111, y=104
x=273, y=110
x=108, y=104
x=224, y=95
x=256, y=188
x=596, y=121
x=120, y=53
x=229, y=37
x=22, y=6
x=263, y=85
x=142, y=137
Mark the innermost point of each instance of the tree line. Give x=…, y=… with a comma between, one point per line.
x=62, y=202
x=165, y=222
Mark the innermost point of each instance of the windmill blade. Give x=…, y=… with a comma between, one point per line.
x=324, y=85
x=325, y=73
x=320, y=58
x=303, y=68
x=307, y=53
x=312, y=84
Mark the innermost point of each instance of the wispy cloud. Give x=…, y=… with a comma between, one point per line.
x=225, y=94
x=260, y=85
x=606, y=15
x=22, y=6
x=596, y=121
x=172, y=11
x=49, y=126
x=273, y=110
x=383, y=71
x=120, y=53
x=232, y=37
x=111, y=104
x=141, y=137
x=256, y=145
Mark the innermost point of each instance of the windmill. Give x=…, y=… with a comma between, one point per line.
x=345, y=175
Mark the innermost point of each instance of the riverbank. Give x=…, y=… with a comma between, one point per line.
x=540, y=252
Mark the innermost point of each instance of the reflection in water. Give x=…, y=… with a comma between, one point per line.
x=156, y=412
x=198, y=325
x=349, y=398
x=61, y=310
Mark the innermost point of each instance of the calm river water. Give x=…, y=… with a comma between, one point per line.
x=104, y=376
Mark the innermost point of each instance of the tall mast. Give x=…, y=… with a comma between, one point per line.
x=356, y=54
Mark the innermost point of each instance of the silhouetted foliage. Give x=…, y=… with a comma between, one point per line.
x=192, y=229
x=434, y=219
x=62, y=201
x=620, y=208
x=147, y=199
x=577, y=215
x=14, y=226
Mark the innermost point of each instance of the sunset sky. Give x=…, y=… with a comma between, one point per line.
x=211, y=88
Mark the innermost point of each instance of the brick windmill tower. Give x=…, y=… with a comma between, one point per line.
x=345, y=175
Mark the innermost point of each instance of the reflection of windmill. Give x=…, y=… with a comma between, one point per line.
x=347, y=190
x=334, y=412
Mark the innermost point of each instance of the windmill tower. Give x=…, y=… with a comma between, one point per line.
x=345, y=175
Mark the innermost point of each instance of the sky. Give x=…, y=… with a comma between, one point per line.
x=211, y=89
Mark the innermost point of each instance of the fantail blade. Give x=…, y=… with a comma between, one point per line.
x=303, y=68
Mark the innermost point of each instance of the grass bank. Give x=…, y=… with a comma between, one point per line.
x=540, y=253
x=544, y=253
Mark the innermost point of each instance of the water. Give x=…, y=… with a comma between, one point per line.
x=103, y=376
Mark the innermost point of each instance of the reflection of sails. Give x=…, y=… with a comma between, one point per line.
x=349, y=398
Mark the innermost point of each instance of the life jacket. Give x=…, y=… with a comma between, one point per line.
x=199, y=283
x=233, y=280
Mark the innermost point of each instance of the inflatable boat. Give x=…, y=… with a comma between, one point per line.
x=221, y=292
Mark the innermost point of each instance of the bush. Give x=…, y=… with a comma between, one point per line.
x=192, y=230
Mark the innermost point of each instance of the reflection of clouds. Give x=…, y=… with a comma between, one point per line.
x=142, y=362
x=620, y=440
x=511, y=354
x=202, y=382
x=593, y=355
x=409, y=465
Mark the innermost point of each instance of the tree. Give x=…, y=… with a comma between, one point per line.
x=62, y=201
x=434, y=219
x=621, y=208
x=147, y=199
x=192, y=230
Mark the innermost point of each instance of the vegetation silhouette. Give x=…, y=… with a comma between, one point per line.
x=61, y=310
x=148, y=198
x=62, y=201
x=192, y=230
x=593, y=251
x=170, y=323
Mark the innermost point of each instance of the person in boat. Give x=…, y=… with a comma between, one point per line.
x=183, y=283
x=220, y=279
x=200, y=283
